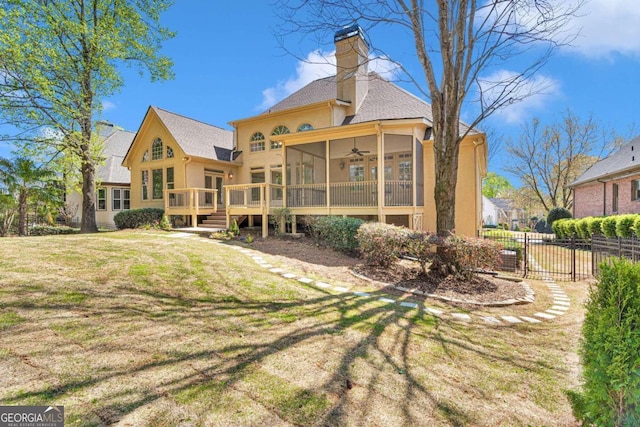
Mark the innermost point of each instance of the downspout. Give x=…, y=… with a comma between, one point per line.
x=604, y=197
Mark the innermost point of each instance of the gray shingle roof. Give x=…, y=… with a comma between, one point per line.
x=625, y=160
x=384, y=101
x=116, y=146
x=197, y=138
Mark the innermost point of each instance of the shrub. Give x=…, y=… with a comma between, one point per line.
x=559, y=229
x=234, y=229
x=609, y=225
x=136, y=218
x=624, y=225
x=337, y=232
x=609, y=350
x=380, y=244
x=422, y=246
x=47, y=230
x=541, y=226
x=461, y=255
x=556, y=214
x=582, y=227
x=636, y=226
x=569, y=228
x=595, y=226
x=164, y=223
x=280, y=218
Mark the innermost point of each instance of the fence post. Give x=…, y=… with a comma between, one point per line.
x=525, y=257
x=573, y=258
x=593, y=257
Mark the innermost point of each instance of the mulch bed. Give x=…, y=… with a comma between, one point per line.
x=305, y=255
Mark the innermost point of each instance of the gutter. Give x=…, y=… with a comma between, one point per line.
x=604, y=197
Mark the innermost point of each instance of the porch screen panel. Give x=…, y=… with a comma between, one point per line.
x=306, y=175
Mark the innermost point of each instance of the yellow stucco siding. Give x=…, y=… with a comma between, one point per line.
x=320, y=116
x=471, y=169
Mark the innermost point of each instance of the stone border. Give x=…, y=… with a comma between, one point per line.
x=518, y=301
x=561, y=302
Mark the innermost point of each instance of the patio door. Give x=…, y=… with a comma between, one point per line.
x=214, y=181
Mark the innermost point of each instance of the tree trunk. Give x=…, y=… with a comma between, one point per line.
x=22, y=212
x=88, y=222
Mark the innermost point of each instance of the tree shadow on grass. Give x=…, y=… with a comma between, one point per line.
x=382, y=338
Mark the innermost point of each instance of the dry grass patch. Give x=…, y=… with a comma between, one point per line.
x=142, y=329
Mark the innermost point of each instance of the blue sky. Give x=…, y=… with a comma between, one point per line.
x=229, y=65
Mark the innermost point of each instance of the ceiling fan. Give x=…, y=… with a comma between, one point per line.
x=355, y=151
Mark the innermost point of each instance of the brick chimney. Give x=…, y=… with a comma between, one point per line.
x=352, y=55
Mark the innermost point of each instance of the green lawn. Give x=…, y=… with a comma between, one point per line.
x=143, y=329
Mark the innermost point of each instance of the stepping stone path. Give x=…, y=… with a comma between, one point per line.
x=561, y=302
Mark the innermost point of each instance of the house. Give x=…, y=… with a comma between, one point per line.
x=497, y=210
x=352, y=144
x=610, y=186
x=113, y=192
x=181, y=165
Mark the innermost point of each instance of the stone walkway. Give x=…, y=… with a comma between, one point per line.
x=561, y=301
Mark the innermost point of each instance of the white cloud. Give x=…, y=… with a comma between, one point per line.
x=608, y=26
x=317, y=65
x=528, y=95
x=108, y=105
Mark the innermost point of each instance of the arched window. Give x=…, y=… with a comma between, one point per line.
x=169, y=152
x=156, y=149
x=305, y=126
x=145, y=156
x=257, y=142
x=278, y=130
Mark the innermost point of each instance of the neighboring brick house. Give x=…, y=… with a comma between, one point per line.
x=611, y=186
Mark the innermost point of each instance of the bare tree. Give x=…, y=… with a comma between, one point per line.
x=547, y=159
x=460, y=44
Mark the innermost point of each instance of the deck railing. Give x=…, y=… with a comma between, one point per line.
x=261, y=195
x=342, y=194
x=190, y=199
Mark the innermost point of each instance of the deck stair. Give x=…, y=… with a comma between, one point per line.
x=217, y=220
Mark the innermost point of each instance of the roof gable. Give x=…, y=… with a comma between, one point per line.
x=626, y=159
x=116, y=146
x=197, y=138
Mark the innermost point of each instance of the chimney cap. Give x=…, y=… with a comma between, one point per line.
x=348, y=32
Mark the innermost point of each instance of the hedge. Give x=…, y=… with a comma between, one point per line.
x=335, y=232
x=380, y=244
x=610, y=394
x=136, y=218
x=48, y=230
x=624, y=225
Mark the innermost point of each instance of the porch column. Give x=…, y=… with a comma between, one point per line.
x=380, y=172
x=328, y=173
x=195, y=203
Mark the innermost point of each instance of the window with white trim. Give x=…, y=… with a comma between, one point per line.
x=126, y=199
x=116, y=199
x=156, y=176
x=102, y=199
x=145, y=185
x=257, y=142
x=145, y=156
x=278, y=130
x=156, y=149
x=635, y=189
x=304, y=127
x=169, y=152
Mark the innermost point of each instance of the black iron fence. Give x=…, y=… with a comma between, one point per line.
x=604, y=249
x=540, y=256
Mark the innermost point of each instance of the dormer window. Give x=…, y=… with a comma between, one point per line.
x=278, y=130
x=305, y=126
x=257, y=142
x=145, y=156
x=156, y=149
x=169, y=152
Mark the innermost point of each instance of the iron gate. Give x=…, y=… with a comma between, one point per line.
x=539, y=256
